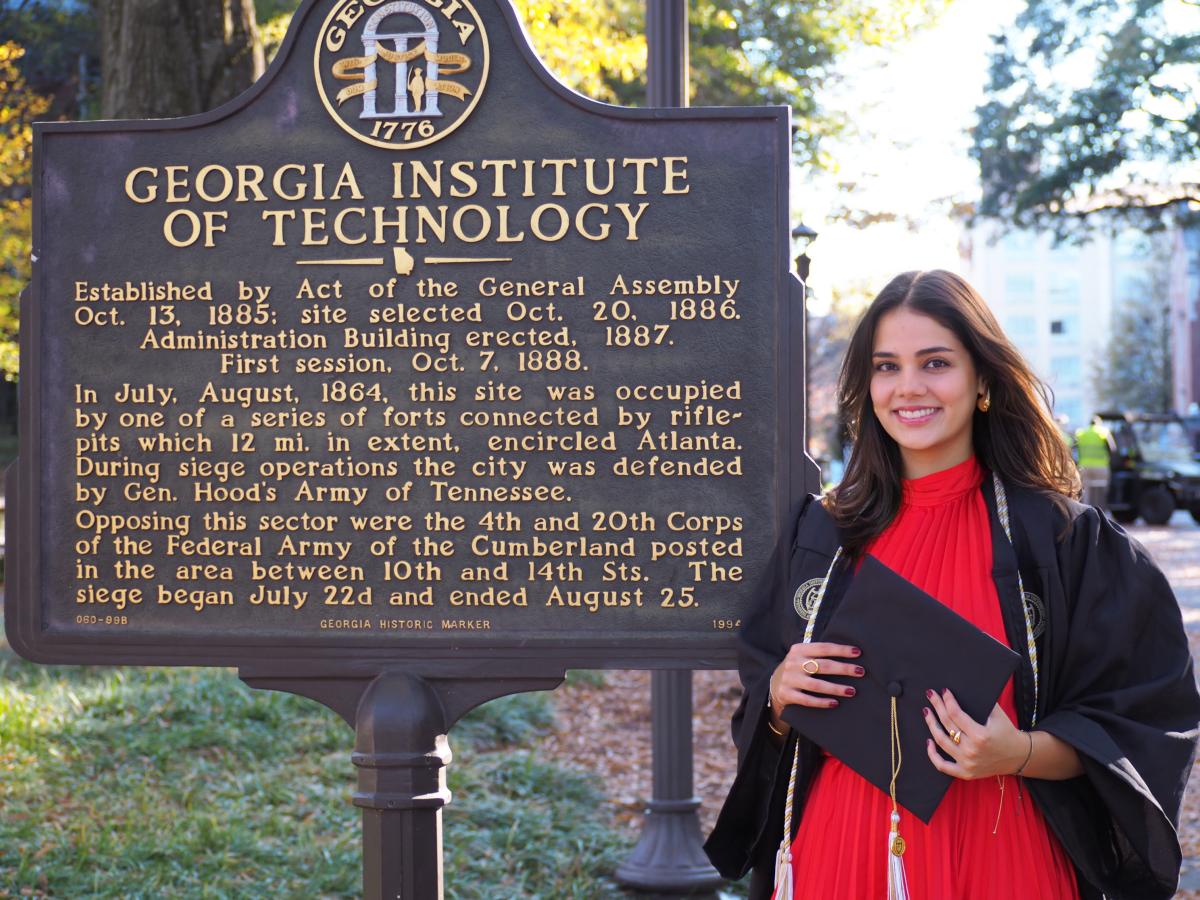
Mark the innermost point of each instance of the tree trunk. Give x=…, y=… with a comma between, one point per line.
x=162, y=58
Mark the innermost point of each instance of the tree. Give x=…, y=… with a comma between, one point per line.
x=273, y=17
x=596, y=48
x=1093, y=107
x=19, y=106
x=175, y=57
x=61, y=58
x=1134, y=370
x=742, y=52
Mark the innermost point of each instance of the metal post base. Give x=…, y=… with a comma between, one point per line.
x=669, y=857
x=400, y=720
x=401, y=753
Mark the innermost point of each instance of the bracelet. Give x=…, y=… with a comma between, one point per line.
x=771, y=713
x=1028, y=755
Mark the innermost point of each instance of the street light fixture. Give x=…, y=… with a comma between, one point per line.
x=802, y=238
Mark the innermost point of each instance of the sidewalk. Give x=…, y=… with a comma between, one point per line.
x=1176, y=548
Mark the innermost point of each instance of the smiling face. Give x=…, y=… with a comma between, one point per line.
x=923, y=389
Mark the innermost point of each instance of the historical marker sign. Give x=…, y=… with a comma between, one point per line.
x=407, y=353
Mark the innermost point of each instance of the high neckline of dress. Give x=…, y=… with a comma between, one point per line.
x=940, y=487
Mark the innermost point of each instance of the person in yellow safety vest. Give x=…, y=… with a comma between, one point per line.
x=1095, y=443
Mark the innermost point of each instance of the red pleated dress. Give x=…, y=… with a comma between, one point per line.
x=975, y=847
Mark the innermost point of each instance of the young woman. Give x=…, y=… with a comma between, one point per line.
x=960, y=481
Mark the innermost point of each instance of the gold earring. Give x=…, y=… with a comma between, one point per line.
x=985, y=401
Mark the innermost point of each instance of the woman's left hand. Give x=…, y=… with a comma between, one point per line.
x=995, y=747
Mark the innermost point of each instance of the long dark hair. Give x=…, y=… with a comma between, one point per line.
x=1016, y=438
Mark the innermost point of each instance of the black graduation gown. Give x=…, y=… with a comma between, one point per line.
x=1115, y=682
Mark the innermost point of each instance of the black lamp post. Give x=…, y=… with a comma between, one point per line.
x=802, y=238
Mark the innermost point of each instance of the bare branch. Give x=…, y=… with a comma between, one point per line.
x=1135, y=203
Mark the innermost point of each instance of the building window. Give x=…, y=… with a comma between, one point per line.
x=1066, y=253
x=1019, y=244
x=1132, y=286
x=1066, y=371
x=1018, y=288
x=1020, y=328
x=1066, y=326
x=1064, y=289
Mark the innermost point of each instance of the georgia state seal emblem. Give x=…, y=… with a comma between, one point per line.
x=402, y=73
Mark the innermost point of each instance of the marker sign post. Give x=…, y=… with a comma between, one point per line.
x=404, y=381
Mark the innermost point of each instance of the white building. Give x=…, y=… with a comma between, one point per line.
x=1185, y=318
x=1056, y=302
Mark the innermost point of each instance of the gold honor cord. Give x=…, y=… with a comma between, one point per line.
x=448, y=63
x=897, y=882
x=1030, y=637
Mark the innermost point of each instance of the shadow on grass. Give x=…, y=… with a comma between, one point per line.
x=153, y=783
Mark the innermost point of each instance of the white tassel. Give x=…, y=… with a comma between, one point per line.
x=783, y=874
x=897, y=883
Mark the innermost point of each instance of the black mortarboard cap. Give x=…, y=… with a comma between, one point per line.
x=910, y=643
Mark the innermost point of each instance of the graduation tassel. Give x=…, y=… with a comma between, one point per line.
x=783, y=856
x=897, y=883
x=783, y=874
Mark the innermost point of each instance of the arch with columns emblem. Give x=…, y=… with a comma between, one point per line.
x=372, y=37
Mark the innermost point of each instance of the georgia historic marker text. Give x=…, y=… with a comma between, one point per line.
x=409, y=352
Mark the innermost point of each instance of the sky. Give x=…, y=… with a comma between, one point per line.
x=913, y=150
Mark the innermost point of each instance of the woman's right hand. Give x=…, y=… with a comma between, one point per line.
x=797, y=679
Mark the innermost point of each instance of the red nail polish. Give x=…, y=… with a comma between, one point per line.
x=927, y=712
x=833, y=703
x=850, y=692
x=854, y=651
x=929, y=694
x=859, y=670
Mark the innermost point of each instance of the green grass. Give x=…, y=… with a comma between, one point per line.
x=160, y=783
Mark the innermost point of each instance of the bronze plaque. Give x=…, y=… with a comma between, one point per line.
x=407, y=353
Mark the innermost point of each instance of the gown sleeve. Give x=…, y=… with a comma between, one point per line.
x=1126, y=700
x=749, y=826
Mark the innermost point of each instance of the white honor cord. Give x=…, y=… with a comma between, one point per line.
x=816, y=607
x=783, y=857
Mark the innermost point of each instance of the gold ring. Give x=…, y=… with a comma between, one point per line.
x=955, y=735
x=816, y=666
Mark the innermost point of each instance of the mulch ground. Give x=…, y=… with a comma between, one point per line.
x=606, y=730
